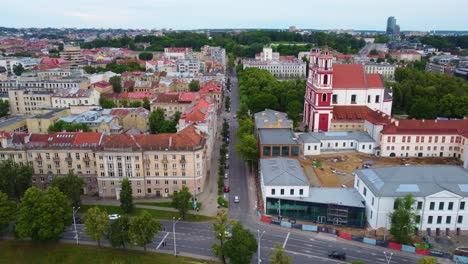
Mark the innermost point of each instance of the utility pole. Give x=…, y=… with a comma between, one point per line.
x=74, y=224
x=258, y=246
x=174, y=222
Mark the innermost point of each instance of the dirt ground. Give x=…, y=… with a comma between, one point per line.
x=336, y=169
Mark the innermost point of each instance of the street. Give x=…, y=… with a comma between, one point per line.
x=196, y=239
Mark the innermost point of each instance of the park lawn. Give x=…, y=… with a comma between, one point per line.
x=159, y=214
x=13, y=251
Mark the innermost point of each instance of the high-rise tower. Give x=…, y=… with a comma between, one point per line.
x=317, y=99
x=391, y=25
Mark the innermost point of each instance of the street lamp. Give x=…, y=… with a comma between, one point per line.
x=258, y=246
x=388, y=257
x=174, y=222
x=74, y=224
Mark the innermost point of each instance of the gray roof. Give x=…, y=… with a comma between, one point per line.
x=339, y=196
x=316, y=137
x=282, y=172
x=269, y=117
x=51, y=112
x=4, y=122
x=420, y=181
x=277, y=136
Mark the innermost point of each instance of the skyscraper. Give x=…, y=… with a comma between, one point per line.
x=391, y=24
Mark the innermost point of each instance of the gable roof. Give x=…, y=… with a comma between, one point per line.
x=410, y=126
x=353, y=76
x=282, y=172
x=360, y=113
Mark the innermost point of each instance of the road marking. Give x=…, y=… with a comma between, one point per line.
x=381, y=259
x=160, y=243
x=286, y=239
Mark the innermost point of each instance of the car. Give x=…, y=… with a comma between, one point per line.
x=337, y=254
x=236, y=199
x=228, y=234
x=226, y=174
x=77, y=220
x=227, y=156
x=227, y=165
x=114, y=216
x=226, y=189
x=227, y=140
x=235, y=116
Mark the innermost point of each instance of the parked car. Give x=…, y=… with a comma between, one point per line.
x=227, y=156
x=114, y=216
x=337, y=254
x=235, y=116
x=236, y=199
x=226, y=174
x=227, y=165
x=226, y=189
x=227, y=140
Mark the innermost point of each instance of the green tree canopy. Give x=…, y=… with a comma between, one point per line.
x=146, y=103
x=221, y=226
x=72, y=186
x=159, y=124
x=145, y=56
x=18, y=69
x=180, y=201
x=61, y=126
x=143, y=228
x=96, y=224
x=117, y=232
x=279, y=257
x=43, y=215
x=247, y=147
x=403, y=219
x=242, y=246
x=14, y=179
x=126, y=196
x=106, y=103
x=116, y=83
x=194, y=86
x=7, y=212
x=4, y=108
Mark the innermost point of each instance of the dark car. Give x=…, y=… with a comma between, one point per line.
x=77, y=220
x=336, y=254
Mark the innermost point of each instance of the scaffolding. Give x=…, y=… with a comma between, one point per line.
x=337, y=215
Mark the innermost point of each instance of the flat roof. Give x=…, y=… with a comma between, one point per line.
x=268, y=117
x=420, y=181
x=316, y=137
x=339, y=196
x=282, y=172
x=12, y=120
x=277, y=136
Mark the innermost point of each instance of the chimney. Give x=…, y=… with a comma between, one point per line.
x=435, y=121
x=397, y=122
x=170, y=142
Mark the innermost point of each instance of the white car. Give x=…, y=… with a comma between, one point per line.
x=227, y=155
x=114, y=216
x=226, y=175
x=236, y=199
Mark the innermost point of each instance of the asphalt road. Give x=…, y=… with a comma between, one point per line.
x=197, y=238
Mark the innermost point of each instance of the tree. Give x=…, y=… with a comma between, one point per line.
x=18, y=69
x=126, y=196
x=106, y=103
x=403, y=219
x=374, y=52
x=14, y=179
x=72, y=186
x=194, y=86
x=135, y=104
x=180, y=201
x=221, y=226
x=427, y=260
x=117, y=231
x=278, y=256
x=123, y=102
x=61, y=126
x=7, y=212
x=158, y=123
x=4, y=108
x=146, y=103
x=43, y=215
x=242, y=246
x=142, y=229
x=96, y=224
x=247, y=147
x=145, y=56
x=116, y=83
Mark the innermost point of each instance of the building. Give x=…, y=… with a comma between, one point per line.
x=279, y=66
x=64, y=98
x=392, y=27
x=331, y=85
x=96, y=121
x=157, y=165
x=73, y=57
x=24, y=102
x=406, y=56
x=387, y=70
x=278, y=142
x=190, y=66
x=54, y=154
x=316, y=143
x=173, y=102
x=174, y=53
x=286, y=194
x=212, y=90
x=44, y=118
x=103, y=87
x=292, y=28
x=14, y=124
x=441, y=194
x=135, y=119
x=272, y=119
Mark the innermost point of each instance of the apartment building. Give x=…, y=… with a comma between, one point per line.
x=65, y=98
x=173, y=102
x=157, y=165
x=192, y=66
x=25, y=101
x=387, y=70
x=279, y=66
x=73, y=56
x=441, y=194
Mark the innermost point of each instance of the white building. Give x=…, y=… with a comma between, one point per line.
x=174, y=53
x=316, y=143
x=190, y=66
x=279, y=66
x=65, y=98
x=387, y=70
x=441, y=194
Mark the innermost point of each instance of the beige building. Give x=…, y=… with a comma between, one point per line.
x=14, y=124
x=96, y=121
x=65, y=98
x=24, y=102
x=73, y=56
x=173, y=102
x=40, y=122
x=135, y=119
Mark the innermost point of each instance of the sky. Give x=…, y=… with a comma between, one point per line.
x=421, y=15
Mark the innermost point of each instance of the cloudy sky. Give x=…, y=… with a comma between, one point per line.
x=193, y=14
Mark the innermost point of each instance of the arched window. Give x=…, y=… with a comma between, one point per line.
x=326, y=65
x=324, y=97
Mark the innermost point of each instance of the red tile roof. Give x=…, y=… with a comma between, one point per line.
x=136, y=95
x=410, y=126
x=360, y=113
x=353, y=76
x=188, y=97
x=211, y=87
x=65, y=140
x=198, y=112
x=166, y=98
x=102, y=84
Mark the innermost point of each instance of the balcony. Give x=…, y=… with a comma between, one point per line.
x=183, y=160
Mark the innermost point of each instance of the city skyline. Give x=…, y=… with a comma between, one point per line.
x=185, y=14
